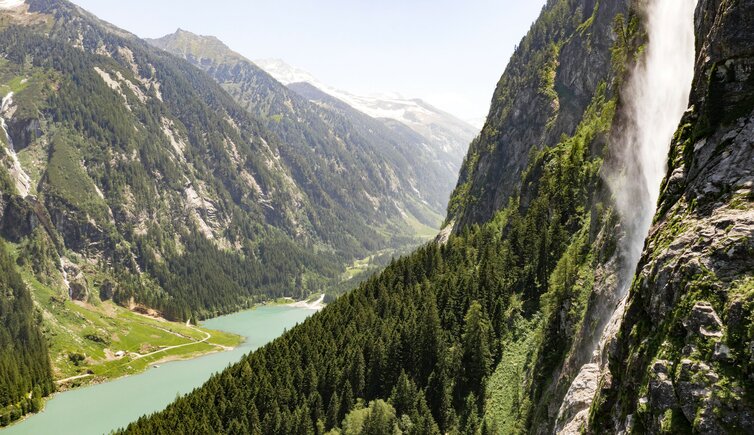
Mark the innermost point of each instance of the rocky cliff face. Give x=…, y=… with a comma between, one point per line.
x=682, y=361
x=548, y=84
x=401, y=176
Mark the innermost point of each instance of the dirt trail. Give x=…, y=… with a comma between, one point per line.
x=176, y=346
x=72, y=378
x=316, y=305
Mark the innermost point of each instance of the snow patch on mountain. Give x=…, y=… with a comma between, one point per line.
x=446, y=131
x=285, y=73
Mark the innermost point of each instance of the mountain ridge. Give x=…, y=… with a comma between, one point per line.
x=280, y=107
x=449, y=133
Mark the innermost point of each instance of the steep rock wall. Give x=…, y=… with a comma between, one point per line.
x=543, y=94
x=683, y=359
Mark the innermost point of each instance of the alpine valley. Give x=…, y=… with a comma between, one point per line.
x=593, y=273
x=134, y=189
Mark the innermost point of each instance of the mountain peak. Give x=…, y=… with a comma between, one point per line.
x=204, y=46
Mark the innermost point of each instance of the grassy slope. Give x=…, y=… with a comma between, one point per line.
x=98, y=330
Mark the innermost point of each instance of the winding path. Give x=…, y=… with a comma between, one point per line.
x=176, y=346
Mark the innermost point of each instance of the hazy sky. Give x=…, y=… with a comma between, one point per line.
x=449, y=52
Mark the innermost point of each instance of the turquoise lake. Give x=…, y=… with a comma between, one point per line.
x=100, y=409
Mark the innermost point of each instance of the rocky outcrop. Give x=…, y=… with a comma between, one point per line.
x=574, y=409
x=548, y=84
x=17, y=218
x=703, y=321
x=78, y=289
x=23, y=132
x=683, y=361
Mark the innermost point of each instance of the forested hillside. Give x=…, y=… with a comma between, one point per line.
x=543, y=93
x=137, y=174
x=25, y=375
x=402, y=170
x=150, y=171
x=461, y=336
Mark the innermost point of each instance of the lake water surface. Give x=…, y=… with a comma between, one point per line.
x=100, y=409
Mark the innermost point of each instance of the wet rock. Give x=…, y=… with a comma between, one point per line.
x=24, y=132
x=700, y=244
x=78, y=289
x=574, y=409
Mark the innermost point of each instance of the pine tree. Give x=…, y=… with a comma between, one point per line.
x=471, y=424
x=404, y=395
x=347, y=400
x=477, y=348
x=333, y=412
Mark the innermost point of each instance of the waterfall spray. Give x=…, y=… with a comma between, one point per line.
x=655, y=98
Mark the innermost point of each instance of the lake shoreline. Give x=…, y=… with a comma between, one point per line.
x=300, y=309
x=316, y=305
x=102, y=380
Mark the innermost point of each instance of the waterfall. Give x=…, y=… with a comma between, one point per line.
x=66, y=282
x=655, y=98
x=20, y=177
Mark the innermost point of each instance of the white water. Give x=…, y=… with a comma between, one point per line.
x=66, y=282
x=657, y=96
x=655, y=99
x=20, y=177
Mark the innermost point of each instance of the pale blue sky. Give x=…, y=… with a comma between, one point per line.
x=449, y=52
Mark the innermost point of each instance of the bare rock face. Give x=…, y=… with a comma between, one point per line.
x=683, y=360
x=78, y=289
x=17, y=219
x=574, y=410
x=106, y=290
x=24, y=132
x=528, y=112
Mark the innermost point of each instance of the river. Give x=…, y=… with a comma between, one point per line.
x=99, y=409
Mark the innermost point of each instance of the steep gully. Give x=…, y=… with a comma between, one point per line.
x=655, y=97
x=20, y=177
